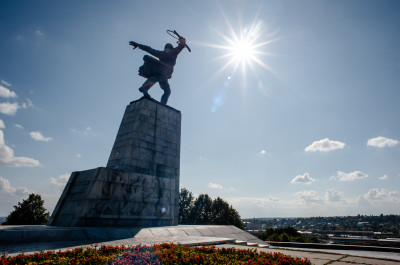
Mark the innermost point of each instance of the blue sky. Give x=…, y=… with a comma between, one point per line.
x=309, y=127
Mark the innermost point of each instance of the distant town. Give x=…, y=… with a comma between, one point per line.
x=382, y=230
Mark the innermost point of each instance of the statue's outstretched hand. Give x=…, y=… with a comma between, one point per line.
x=182, y=39
x=134, y=44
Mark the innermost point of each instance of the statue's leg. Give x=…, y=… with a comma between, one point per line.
x=167, y=91
x=147, y=85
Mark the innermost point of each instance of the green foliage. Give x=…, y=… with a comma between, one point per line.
x=286, y=234
x=223, y=213
x=204, y=210
x=29, y=212
x=201, y=212
x=185, y=205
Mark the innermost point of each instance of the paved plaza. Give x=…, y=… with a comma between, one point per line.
x=30, y=239
x=335, y=257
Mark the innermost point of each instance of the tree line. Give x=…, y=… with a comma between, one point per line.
x=201, y=210
x=284, y=234
x=206, y=211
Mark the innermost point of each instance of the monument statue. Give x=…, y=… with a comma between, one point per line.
x=139, y=187
x=161, y=69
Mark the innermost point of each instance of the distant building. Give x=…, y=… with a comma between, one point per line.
x=362, y=224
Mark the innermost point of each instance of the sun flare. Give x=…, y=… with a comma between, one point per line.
x=245, y=47
x=242, y=51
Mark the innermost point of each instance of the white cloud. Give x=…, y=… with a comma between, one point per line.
x=305, y=178
x=2, y=126
x=39, y=33
x=7, y=189
x=342, y=176
x=77, y=155
x=214, y=186
x=87, y=131
x=5, y=83
x=6, y=93
x=273, y=199
x=61, y=181
x=7, y=157
x=20, y=38
x=27, y=104
x=382, y=142
x=263, y=152
x=332, y=195
x=362, y=202
x=384, y=177
x=308, y=203
x=308, y=196
x=5, y=185
x=382, y=195
x=324, y=145
x=19, y=126
x=37, y=136
x=9, y=108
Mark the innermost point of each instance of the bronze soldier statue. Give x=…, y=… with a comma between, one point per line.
x=158, y=70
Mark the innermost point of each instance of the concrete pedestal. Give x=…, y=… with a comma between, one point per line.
x=140, y=185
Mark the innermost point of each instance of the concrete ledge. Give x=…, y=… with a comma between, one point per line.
x=331, y=246
x=181, y=233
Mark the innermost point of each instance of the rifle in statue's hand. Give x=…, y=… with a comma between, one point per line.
x=175, y=35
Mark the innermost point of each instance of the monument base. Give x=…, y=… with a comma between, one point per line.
x=139, y=187
x=110, y=197
x=43, y=237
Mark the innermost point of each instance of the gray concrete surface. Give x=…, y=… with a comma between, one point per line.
x=335, y=257
x=16, y=239
x=321, y=247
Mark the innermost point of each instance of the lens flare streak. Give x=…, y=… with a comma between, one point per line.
x=244, y=46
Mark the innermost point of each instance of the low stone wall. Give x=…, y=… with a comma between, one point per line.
x=178, y=234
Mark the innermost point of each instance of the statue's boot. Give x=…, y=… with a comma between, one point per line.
x=145, y=94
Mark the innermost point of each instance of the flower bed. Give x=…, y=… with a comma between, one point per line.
x=157, y=254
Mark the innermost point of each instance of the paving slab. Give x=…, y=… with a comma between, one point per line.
x=160, y=232
x=177, y=232
x=322, y=258
x=191, y=231
x=205, y=231
x=358, y=253
x=144, y=233
x=369, y=261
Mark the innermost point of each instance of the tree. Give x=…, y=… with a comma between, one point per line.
x=203, y=210
x=223, y=213
x=29, y=212
x=185, y=206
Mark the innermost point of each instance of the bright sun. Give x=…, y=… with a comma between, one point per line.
x=244, y=47
x=242, y=51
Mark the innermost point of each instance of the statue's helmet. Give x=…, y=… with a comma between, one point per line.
x=168, y=46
